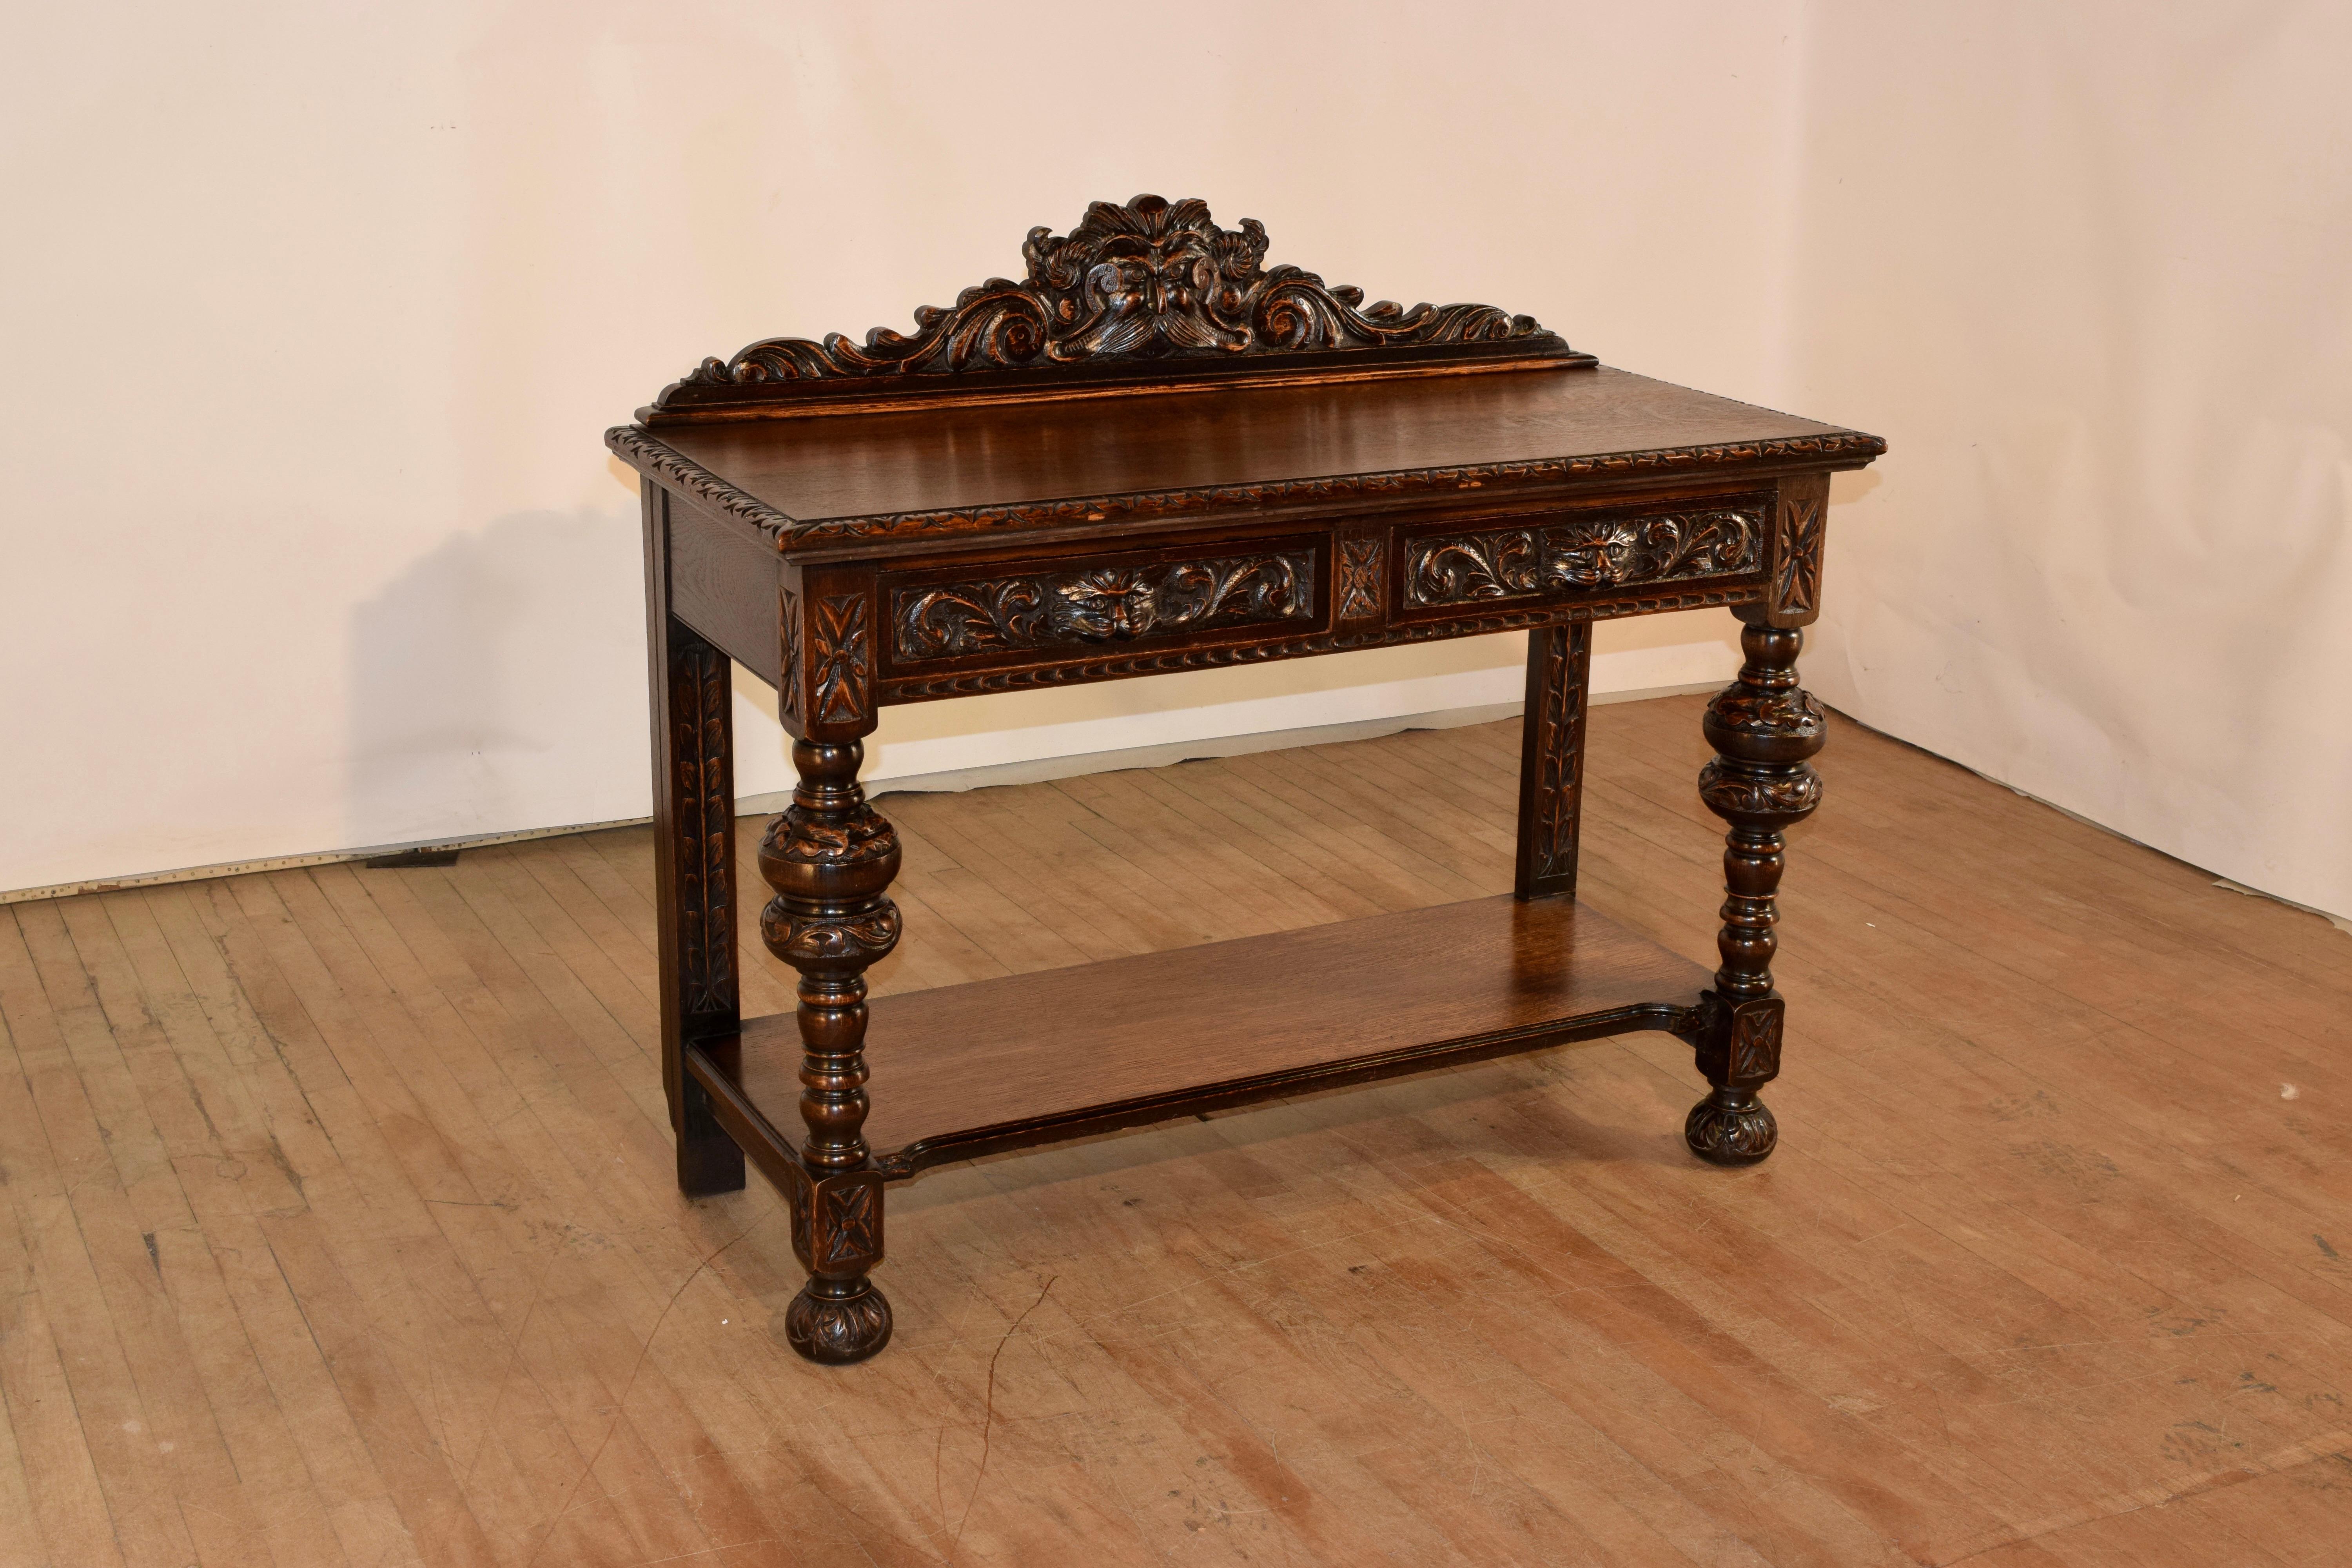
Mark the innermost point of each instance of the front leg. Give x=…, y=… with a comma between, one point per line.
x=1763, y=726
x=830, y=857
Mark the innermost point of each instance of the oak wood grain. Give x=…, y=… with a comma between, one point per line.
x=2044, y=1285
x=993, y=1064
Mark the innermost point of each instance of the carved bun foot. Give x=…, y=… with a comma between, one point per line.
x=835, y=1322
x=1731, y=1127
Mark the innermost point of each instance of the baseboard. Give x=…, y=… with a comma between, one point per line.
x=1040, y=770
x=1034, y=771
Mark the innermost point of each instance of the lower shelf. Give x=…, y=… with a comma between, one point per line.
x=1030, y=1058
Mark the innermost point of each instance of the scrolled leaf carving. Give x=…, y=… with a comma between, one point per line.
x=1146, y=279
x=863, y=937
x=1785, y=793
x=1583, y=554
x=1101, y=604
x=1789, y=712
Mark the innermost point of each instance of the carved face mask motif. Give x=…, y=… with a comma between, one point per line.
x=1602, y=557
x=1107, y=603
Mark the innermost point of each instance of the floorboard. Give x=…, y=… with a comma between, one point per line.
x=336, y=1223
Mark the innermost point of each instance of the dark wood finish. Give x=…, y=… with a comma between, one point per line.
x=830, y=856
x=1139, y=295
x=1102, y=465
x=1035, y=1058
x=1763, y=726
x=1552, y=759
x=1158, y=453
x=694, y=876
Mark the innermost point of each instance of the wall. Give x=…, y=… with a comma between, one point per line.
x=2086, y=268
x=313, y=543
x=320, y=311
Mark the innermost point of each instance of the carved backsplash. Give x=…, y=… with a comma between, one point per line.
x=1149, y=281
x=1101, y=604
x=1594, y=552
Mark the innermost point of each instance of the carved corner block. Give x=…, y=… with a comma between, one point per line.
x=1801, y=521
x=1359, y=593
x=826, y=624
x=1737, y=1044
x=837, y=1221
x=838, y=1316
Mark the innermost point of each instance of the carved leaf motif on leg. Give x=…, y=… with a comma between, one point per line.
x=836, y=1329
x=868, y=937
x=1561, y=753
x=1730, y=790
x=704, y=807
x=1730, y=1129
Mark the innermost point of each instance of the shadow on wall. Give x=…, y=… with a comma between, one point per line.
x=498, y=683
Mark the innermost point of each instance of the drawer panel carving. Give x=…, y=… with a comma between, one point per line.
x=1081, y=605
x=1531, y=558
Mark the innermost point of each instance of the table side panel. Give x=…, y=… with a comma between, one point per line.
x=724, y=582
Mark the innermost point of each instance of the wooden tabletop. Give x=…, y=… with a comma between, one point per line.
x=1449, y=430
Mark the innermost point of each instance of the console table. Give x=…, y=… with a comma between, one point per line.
x=1157, y=453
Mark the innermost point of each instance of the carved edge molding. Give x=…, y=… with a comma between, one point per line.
x=920, y=689
x=643, y=450
x=1145, y=281
x=700, y=693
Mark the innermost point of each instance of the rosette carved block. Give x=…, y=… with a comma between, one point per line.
x=831, y=857
x=1763, y=727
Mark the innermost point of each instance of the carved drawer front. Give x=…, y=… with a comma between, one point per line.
x=1604, y=554
x=1024, y=612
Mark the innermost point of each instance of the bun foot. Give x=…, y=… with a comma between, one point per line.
x=1731, y=1127
x=836, y=1322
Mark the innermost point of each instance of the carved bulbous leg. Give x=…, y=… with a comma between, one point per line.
x=1763, y=728
x=830, y=857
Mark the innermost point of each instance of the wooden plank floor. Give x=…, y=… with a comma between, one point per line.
x=337, y=1225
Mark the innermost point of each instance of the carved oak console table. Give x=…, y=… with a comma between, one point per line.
x=1156, y=453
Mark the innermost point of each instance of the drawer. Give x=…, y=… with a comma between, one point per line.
x=1564, y=556
x=1024, y=612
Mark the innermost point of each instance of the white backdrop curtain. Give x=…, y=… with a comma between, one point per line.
x=318, y=312
x=2089, y=268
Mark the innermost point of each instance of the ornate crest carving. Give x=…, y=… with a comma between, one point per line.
x=1149, y=281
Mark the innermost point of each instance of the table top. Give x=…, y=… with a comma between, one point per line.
x=820, y=480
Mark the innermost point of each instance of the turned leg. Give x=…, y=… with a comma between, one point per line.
x=1551, y=758
x=694, y=863
x=830, y=857
x=1763, y=726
